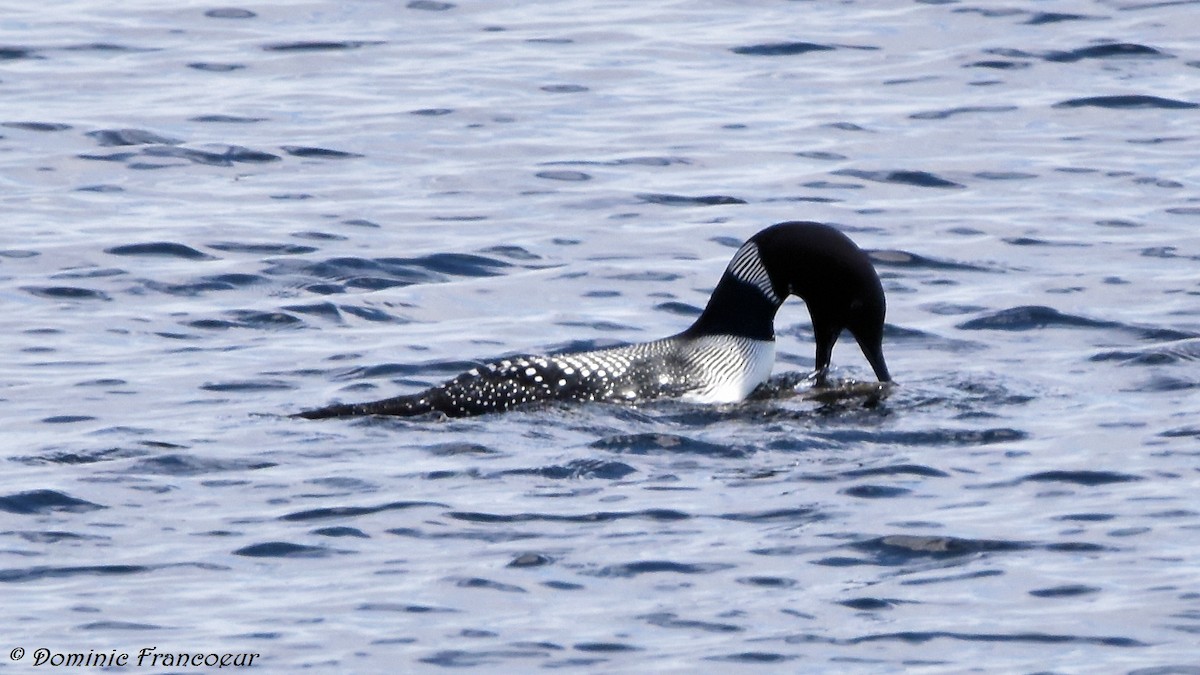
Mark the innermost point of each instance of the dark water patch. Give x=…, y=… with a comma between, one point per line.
x=753, y=658
x=320, y=45
x=67, y=419
x=1004, y=175
x=822, y=155
x=112, y=157
x=641, y=567
x=325, y=310
x=903, y=549
x=107, y=47
x=932, y=437
x=454, y=264
x=431, y=112
x=1182, y=432
x=16, y=53
x=901, y=177
x=672, y=620
x=576, y=469
x=122, y=137
x=488, y=584
x=683, y=200
x=284, y=549
x=569, y=176
x=528, y=560
x=869, y=604
x=81, y=457
x=921, y=637
x=341, y=532
x=194, y=156
x=965, y=110
x=462, y=658
x=489, y=536
x=215, y=67
x=1086, y=517
x=1031, y=317
x=512, y=252
x=227, y=119
x=997, y=64
x=1173, y=353
x=19, y=575
x=40, y=502
x=1123, y=50
x=678, y=308
x=1167, y=252
x=165, y=249
x=102, y=188
x=1045, y=18
x=327, y=513
x=605, y=647
x=654, y=515
x=55, y=536
x=220, y=155
x=36, y=126
x=319, y=153
x=372, y=314
x=18, y=254
x=1032, y=241
x=564, y=88
x=249, y=318
x=109, y=626
x=430, y=5
x=248, y=386
x=1080, y=477
x=798, y=515
x=381, y=273
x=781, y=49
x=896, y=470
x=402, y=608
x=65, y=293
x=229, y=13
x=222, y=282
x=664, y=444
x=187, y=465
x=653, y=161
x=768, y=582
x=1127, y=102
x=874, y=491
x=1065, y=591
x=831, y=185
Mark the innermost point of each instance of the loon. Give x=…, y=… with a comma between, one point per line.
x=721, y=358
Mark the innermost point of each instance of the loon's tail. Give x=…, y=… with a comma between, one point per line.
x=402, y=406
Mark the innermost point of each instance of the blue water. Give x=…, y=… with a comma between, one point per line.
x=218, y=216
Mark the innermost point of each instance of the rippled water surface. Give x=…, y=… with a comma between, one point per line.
x=217, y=216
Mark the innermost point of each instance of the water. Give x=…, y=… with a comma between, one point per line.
x=218, y=216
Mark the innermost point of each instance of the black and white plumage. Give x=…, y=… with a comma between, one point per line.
x=721, y=358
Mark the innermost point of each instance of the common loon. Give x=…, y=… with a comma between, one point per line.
x=721, y=358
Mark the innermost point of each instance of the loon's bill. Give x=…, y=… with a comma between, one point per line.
x=721, y=358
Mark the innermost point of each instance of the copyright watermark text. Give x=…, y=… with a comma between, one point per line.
x=146, y=657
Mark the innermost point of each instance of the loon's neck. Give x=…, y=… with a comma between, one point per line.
x=744, y=302
x=739, y=309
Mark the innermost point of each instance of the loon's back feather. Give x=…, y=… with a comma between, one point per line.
x=722, y=357
x=708, y=369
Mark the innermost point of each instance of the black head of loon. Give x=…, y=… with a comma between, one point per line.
x=721, y=358
x=819, y=264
